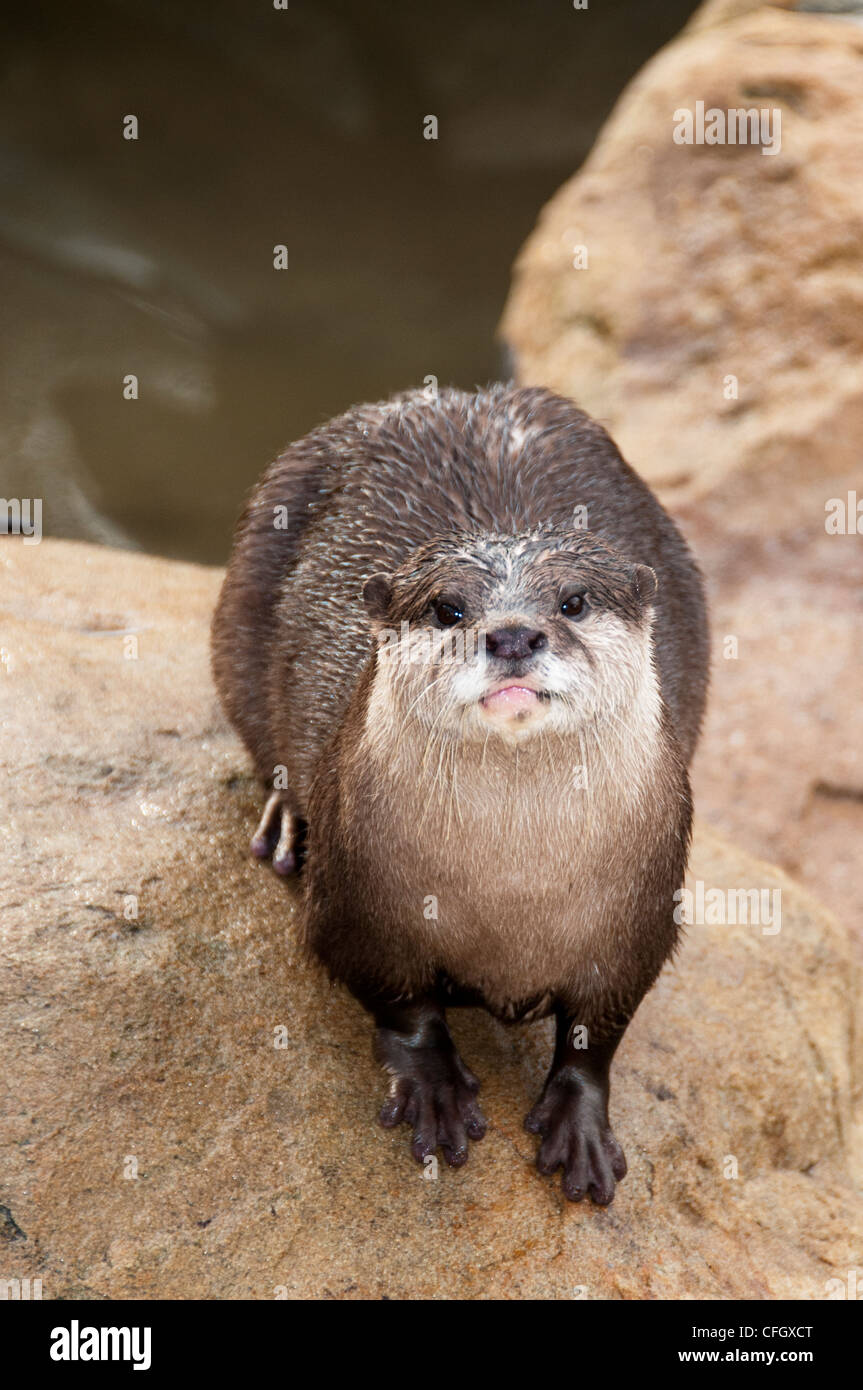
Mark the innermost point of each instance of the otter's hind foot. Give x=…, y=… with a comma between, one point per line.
x=431, y=1090
x=577, y=1137
x=276, y=835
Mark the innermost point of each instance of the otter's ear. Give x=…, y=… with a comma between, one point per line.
x=645, y=583
x=377, y=593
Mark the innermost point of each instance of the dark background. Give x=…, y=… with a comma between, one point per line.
x=258, y=127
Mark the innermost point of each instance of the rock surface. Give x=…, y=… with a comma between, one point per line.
x=147, y=963
x=713, y=262
x=706, y=261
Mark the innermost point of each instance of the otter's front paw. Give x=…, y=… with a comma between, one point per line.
x=571, y=1117
x=434, y=1092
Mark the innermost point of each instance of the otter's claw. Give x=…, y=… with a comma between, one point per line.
x=276, y=815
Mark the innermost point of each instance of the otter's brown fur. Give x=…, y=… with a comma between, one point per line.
x=530, y=876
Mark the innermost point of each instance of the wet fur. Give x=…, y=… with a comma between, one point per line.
x=549, y=894
x=291, y=636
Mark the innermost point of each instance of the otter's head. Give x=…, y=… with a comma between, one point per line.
x=511, y=635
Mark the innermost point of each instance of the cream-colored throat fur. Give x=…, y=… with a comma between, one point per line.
x=607, y=761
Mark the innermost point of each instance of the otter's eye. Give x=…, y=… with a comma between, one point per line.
x=447, y=614
x=574, y=606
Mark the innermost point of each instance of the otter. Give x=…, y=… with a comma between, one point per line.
x=467, y=650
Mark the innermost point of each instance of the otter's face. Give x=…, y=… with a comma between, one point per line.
x=512, y=636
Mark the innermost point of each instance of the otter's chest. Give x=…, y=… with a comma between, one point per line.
x=507, y=889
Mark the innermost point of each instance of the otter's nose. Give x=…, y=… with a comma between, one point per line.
x=515, y=643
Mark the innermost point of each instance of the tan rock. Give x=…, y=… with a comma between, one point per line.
x=714, y=12
x=709, y=261
x=146, y=1043
x=715, y=262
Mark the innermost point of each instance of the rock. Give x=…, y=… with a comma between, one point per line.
x=147, y=964
x=714, y=12
x=709, y=264
x=713, y=260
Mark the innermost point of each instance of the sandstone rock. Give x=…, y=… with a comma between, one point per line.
x=711, y=262
x=714, y=12
x=147, y=963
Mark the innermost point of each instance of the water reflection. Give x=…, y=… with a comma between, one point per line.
x=153, y=258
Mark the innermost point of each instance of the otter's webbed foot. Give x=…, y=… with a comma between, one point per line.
x=577, y=1137
x=571, y=1115
x=431, y=1088
x=276, y=835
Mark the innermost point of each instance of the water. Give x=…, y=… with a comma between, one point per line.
x=154, y=257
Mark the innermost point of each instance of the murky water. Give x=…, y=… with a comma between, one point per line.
x=153, y=258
